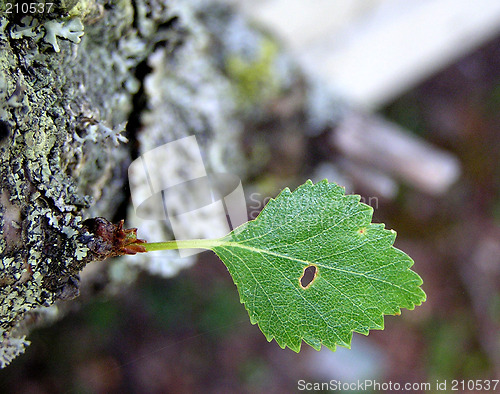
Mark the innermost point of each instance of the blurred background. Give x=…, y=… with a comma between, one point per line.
x=397, y=101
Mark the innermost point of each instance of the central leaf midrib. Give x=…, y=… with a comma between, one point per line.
x=224, y=244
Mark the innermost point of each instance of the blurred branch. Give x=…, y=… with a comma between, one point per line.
x=387, y=147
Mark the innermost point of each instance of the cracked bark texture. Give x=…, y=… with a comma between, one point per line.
x=136, y=69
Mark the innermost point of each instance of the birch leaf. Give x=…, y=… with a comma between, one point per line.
x=312, y=267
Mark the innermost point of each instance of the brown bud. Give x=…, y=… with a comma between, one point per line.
x=111, y=239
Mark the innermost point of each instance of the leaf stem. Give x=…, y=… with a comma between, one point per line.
x=184, y=244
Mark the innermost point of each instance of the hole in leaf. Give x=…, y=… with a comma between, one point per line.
x=308, y=276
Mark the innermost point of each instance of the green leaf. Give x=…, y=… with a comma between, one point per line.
x=312, y=267
x=359, y=275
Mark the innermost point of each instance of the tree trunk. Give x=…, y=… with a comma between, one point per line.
x=76, y=82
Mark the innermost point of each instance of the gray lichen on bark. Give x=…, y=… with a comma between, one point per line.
x=62, y=133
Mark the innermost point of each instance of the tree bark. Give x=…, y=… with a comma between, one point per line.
x=75, y=84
